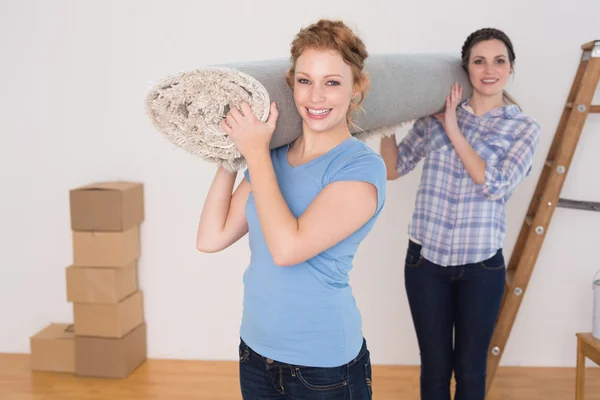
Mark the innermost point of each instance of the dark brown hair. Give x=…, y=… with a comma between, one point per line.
x=483, y=35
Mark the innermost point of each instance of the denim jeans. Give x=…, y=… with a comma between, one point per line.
x=454, y=311
x=265, y=379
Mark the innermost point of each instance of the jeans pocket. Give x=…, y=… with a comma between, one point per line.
x=413, y=261
x=413, y=256
x=495, y=263
x=243, y=352
x=322, y=379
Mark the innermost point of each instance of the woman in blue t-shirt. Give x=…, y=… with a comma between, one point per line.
x=475, y=154
x=306, y=206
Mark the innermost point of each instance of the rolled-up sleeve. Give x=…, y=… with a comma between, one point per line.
x=502, y=177
x=411, y=148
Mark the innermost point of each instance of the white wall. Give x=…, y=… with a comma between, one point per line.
x=74, y=74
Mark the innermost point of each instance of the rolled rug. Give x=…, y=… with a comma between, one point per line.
x=187, y=108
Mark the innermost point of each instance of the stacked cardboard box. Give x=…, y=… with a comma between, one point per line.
x=108, y=334
x=53, y=349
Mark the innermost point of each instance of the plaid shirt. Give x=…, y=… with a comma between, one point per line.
x=456, y=220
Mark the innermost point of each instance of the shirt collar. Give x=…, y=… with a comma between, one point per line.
x=507, y=111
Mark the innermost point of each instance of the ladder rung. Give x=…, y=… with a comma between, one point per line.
x=593, y=108
x=590, y=45
x=579, y=204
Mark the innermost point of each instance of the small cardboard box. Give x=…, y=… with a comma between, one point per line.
x=109, y=320
x=100, y=285
x=107, y=206
x=110, y=358
x=106, y=249
x=53, y=349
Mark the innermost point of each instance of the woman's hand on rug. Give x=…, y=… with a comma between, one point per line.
x=248, y=133
x=448, y=118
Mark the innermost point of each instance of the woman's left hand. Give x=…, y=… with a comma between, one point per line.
x=250, y=135
x=448, y=118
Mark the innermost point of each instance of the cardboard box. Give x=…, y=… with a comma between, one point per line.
x=110, y=358
x=53, y=349
x=100, y=285
x=109, y=320
x=106, y=249
x=107, y=206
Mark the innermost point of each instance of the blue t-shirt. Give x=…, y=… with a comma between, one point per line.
x=305, y=314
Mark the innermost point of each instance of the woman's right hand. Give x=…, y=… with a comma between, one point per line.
x=448, y=117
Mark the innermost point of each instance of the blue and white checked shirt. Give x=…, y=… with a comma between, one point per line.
x=456, y=220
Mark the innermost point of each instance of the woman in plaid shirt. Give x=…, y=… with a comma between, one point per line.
x=474, y=155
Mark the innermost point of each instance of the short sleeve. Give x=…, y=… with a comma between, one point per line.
x=365, y=166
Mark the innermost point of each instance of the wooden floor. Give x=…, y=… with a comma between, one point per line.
x=186, y=380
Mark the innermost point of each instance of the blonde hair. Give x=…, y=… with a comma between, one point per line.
x=334, y=35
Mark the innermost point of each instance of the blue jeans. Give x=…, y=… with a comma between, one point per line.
x=265, y=379
x=463, y=301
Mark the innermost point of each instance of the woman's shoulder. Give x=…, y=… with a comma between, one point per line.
x=521, y=120
x=356, y=157
x=357, y=149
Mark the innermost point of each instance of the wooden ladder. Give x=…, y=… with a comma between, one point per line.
x=546, y=198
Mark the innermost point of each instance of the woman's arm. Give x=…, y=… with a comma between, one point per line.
x=473, y=163
x=402, y=158
x=223, y=217
x=501, y=178
x=389, y=152
x=339, y=210
x=494, y=181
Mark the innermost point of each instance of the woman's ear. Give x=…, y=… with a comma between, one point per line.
x=359, y=88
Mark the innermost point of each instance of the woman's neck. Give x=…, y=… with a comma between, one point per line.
x=321, y=142
x=484, y=104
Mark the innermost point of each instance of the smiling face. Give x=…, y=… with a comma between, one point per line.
x=323, y=89
x=489, y=67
